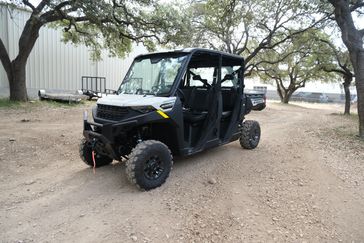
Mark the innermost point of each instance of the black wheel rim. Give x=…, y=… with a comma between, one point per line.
x=153, y=168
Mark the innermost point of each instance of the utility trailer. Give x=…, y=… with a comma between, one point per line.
x=95, y=87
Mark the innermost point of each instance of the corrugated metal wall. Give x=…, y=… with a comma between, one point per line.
x=54, y=64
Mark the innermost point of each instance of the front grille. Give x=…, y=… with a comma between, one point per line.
x=110, y=112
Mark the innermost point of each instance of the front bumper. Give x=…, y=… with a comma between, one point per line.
x=259, y=107
x=106, y=131
x=102, y=136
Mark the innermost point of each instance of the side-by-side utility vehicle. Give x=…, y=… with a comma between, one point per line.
x=174, y=103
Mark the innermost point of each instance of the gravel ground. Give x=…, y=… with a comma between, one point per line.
x=304, y=183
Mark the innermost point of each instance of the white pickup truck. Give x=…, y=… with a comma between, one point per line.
x=258, y=99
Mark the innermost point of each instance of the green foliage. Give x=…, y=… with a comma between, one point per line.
x=300, y=54
x=334, y=59
x=249, y=27
x=294, y=63
x=115, y=25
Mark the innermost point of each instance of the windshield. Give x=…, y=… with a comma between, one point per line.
x=152, y=75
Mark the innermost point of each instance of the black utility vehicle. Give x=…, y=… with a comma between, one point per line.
x=170, y=103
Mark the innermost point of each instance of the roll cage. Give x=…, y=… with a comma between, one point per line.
x=196, y=57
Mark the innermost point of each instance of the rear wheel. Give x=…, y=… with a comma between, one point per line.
x=86, y=155
x=149, y=164
x=250, y=134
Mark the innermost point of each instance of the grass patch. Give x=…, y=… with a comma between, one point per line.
x=57, y=104
x=345, y=131
x=348, y=129
x=352, y=116
x=8, y=104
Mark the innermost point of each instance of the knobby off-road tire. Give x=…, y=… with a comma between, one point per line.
x=149, y=164
x=86, y=155
x=250, y=134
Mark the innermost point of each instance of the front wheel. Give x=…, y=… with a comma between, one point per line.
x=86, y=155
x=149, y=164
x=250, y=134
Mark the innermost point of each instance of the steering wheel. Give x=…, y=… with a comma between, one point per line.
x=155, y=89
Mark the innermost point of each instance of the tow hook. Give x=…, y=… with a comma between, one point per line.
x=94, y=161
x=93, y=145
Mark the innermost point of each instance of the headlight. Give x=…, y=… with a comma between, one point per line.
x=143, y=109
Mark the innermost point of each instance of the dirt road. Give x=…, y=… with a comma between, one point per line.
x=304, y=183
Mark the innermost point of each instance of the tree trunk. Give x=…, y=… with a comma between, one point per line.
x=285, y=100
x=281, y=91
x=15, y=72
x=17, y=85
x=286, y=95
x=353, y=40
x=358, y=63
x=346, y=85
x=15, y=69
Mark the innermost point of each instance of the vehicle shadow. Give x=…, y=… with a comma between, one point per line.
x=200, y=156
x=112, y=179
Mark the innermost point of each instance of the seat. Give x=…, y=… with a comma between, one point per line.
x=186, y=93
x=228, y=101
x=197, y=105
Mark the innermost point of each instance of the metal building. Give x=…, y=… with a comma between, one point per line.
x=54, y=64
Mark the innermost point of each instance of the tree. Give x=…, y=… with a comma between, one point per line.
x=293, y=64
x=249, y=27
x=353, y=40
x=99, y=24
x=335, y=60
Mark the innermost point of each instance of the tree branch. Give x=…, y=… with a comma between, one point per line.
x=55, y=14
x=41, y=6
x=355, y=6
x=265, y=43
x=333, y=48
x=27, y=3
x=4, y=57
x=345, y=70
x=334, y=70
x=281, y=59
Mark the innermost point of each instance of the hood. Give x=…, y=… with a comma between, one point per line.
x=254, y=92
x=135, y=100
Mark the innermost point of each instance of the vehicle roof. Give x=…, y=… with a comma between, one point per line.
x=193, y=50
